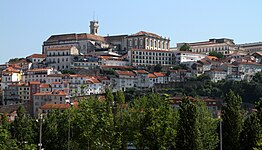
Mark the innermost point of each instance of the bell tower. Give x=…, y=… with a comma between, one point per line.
x=94, y=27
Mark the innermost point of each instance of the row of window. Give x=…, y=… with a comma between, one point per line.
x=152, y=61
x=58, y=54
x=58, y=60
x=152, y=53
x=209, y=49
x=154, y=58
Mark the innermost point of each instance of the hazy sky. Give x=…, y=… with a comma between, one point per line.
x=25, y=24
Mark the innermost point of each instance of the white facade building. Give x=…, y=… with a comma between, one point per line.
x=61, y=58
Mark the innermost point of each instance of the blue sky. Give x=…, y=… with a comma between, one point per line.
x=24, y=25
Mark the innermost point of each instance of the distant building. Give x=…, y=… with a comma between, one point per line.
x=139, y=40
x=188, y=58
x=84, y=42
x=224, y=45
x=61, y=58
x=145, y=57
x=251, y=47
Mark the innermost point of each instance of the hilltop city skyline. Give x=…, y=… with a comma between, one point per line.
x=30, y=23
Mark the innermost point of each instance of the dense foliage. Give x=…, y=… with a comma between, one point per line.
x=147, y=122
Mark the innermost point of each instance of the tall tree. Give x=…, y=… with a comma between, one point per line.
x=250, y=135
x=232, y=121
x=207, y=125
x=23, y=128
x=187, y=132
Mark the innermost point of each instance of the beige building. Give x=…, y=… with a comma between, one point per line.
x=251, y=47
x=84, y=42
x=144, y=57
x=225, y=46
x=147, y=40
x=61, y=58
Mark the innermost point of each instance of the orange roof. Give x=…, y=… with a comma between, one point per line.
x=212, y=57
x=34, y=82
x=140, y=71
x=125, y=73
x=159, y=74
x=151, y=75
x=37, y=56
x=57, y=106
x=94, y=80
x=43, y=85
x=60, y=92
x=10, y=70
x=56, y=83
x=38, y=70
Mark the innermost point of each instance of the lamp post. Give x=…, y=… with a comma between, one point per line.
x=220, y=131
x=68, y=136
x=40, y=131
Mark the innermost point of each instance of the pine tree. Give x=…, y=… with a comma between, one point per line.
x=232, y=121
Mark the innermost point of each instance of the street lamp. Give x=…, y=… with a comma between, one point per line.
x=40, y=131
x=220, y=130
x=70, y=104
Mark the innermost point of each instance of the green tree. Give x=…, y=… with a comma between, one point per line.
x=250, y=135
x=187, y=132
x=258, y=77
x=55, y=130
x=6, y=143
x=216, y=54
x=185, y=47
x=207, y=127
x=23, y=128
x=120, y=97
x=232, y=121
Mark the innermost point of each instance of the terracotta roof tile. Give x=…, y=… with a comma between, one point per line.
x=10, y=70
x=126, y=73
x=37, y=56
x=159, y=74
x=151, y=75
x=141, y=71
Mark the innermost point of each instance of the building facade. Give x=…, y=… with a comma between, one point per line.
x=61, y=58
x=223, y=45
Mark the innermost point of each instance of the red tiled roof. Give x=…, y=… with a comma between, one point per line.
x=10, y=70
x=75, y=37
x=34, y=82
x=37, y=56
x=43, y=85
x=125, y=73
x=60, y=48
x=151, y=75
x=38, y=70
x=58, y=106
x=141, y=71
x=60, y=92
x=159, y=74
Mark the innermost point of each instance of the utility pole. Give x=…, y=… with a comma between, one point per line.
x=40, y=130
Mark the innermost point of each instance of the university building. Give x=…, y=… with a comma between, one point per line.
x=223, y=45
